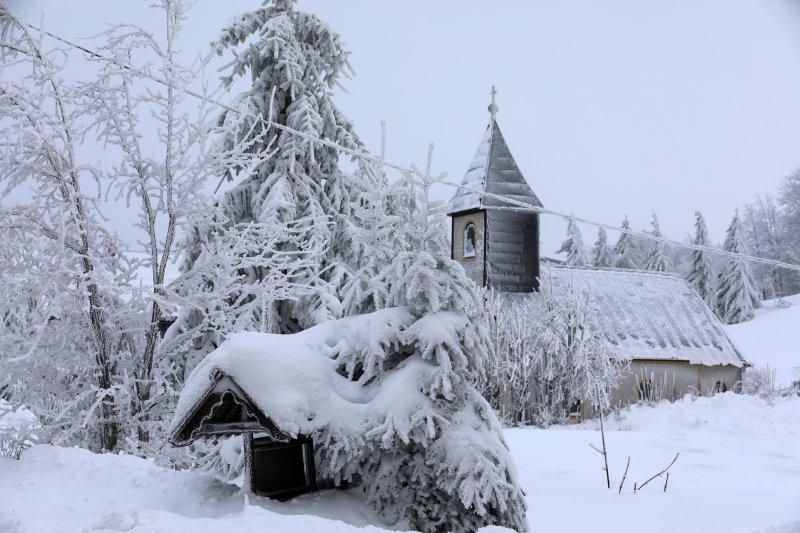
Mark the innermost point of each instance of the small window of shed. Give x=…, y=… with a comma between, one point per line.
x=469, y=240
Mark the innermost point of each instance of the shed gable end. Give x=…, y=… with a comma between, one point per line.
x=225, y=409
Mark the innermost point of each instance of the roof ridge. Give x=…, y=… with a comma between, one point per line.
x=492, y=126
x=615, y=269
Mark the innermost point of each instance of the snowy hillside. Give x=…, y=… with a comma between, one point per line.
x=738, y=471
x=773, y=338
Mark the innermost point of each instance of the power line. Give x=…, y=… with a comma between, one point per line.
x=361, y=154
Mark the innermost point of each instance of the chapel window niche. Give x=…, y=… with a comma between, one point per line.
x=469, y=240
x=647, y=391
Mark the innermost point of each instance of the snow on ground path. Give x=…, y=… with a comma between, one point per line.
x=55, y=490
x=772, y=338
x=733, y=476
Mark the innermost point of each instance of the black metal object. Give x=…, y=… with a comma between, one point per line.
x=164, y=324
x=283, y=470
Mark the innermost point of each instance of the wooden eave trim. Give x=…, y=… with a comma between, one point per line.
x=217, y=376
x=466, y=212
x=662, y=361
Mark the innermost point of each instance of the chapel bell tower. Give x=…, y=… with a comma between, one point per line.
x=496, y=242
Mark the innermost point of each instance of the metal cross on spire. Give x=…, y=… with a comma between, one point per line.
x=493, y=106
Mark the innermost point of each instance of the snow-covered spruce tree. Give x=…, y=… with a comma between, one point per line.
x=294, y=61
x=573, y=245
x=656, y=260
x=625, y=249
x=378, y=236
x=448, y=468
x=736, y=293
x=235, y=280
x=701, y=275
x=602, y=256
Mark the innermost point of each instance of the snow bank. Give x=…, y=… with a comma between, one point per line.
x=73, y=490
x=16, y=417
x=19, y=429
x=724, y=413
x=772, y=338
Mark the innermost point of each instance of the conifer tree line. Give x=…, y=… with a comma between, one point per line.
x=732, y=288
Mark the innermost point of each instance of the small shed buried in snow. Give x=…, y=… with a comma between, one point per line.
x=277, y=465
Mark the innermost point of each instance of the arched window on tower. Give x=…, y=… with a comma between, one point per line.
x=469, y=240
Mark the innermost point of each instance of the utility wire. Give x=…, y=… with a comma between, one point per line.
x=513, y=204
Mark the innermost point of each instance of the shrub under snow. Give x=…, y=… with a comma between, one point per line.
x=19, y=429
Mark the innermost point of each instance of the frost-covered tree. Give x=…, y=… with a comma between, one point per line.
x=78, y=318
x=789, y=201
x=573, y=245
x=378, y=228
x=736, y=294
x=602, y=256
x=294, y=61
x=58, y=273
x=657, y=260
x=550, y=355
x=453, y=473
x=768, y=233
x=236, y=278
x=701, y=275
x=626, y=249
x=163, y=185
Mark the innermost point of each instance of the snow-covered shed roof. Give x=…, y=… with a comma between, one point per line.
x=492, y=170
x=293, y=381
x=650, y=315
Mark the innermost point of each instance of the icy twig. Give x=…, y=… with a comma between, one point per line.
x=625, y=475
x=659, y=474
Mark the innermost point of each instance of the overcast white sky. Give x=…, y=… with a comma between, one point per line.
x=612, y=107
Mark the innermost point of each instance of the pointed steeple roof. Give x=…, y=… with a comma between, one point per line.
x=492, y=170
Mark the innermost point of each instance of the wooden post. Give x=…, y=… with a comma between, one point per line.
x=248, y=482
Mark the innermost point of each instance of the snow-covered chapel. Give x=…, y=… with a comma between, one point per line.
x=657, y=321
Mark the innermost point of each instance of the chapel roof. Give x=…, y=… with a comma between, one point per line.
x=648, y=315
x=492, y=170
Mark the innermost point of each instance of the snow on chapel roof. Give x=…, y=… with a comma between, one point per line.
x=492, y=170
x=650, y=315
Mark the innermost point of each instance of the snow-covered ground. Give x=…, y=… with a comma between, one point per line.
x=773, y=338
x=738, y=471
